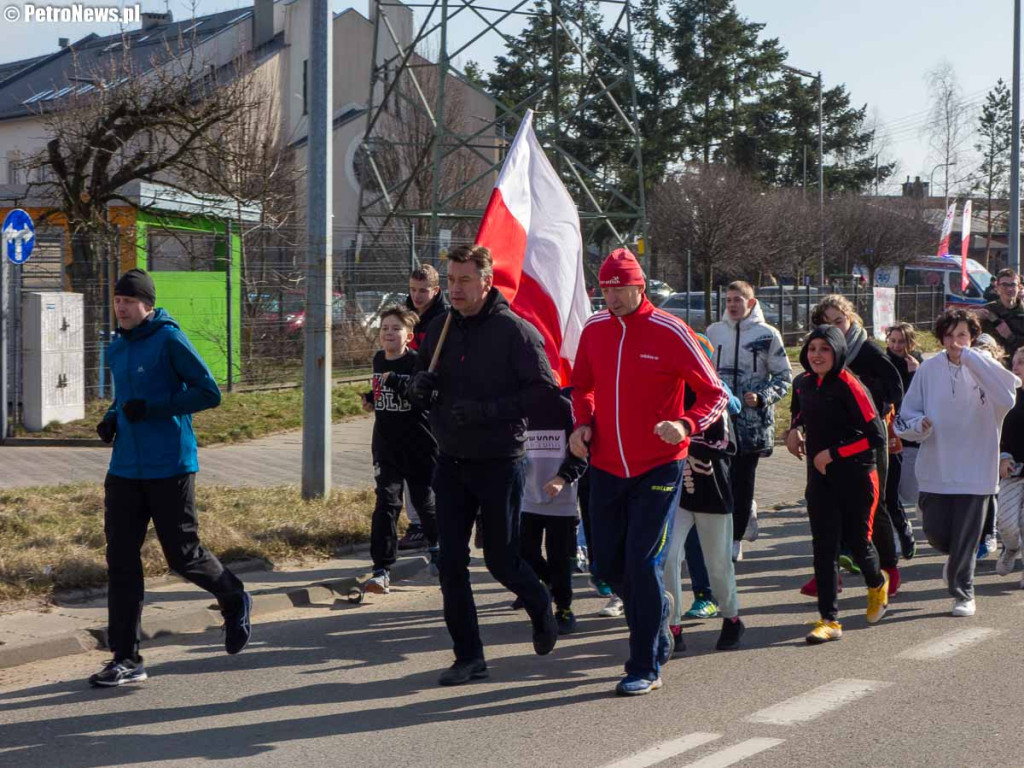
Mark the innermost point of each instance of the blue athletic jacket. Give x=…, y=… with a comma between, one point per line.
x=157, y=363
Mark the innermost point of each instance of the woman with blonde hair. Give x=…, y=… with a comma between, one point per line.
x=871, y=365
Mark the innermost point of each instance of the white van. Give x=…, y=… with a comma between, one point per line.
x=930, y=271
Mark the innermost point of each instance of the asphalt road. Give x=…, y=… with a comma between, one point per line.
x=355, y=686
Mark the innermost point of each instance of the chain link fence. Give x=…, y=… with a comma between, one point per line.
x=240, y=295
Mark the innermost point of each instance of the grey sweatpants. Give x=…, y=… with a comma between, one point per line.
x=715, y=533
x=952, y=524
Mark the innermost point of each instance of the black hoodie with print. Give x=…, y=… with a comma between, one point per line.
x=836, y=411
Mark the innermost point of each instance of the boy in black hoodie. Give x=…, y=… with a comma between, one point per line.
x=404, y=450
x=835, y=425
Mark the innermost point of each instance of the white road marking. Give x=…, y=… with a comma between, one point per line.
x=808, y=706
x=735, y=753
x=947, y=645
x=665, y=750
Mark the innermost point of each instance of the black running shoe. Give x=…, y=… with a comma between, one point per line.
x=237, y=626
x=115, y=673
x=732, y=631
x=413, y=539
x=545, y=637
x=463, y=671
x=566, y=621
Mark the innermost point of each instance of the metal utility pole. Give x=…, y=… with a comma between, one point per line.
x=1014, y=254
x=821, y=177
x=316, y=385
x=821, y=163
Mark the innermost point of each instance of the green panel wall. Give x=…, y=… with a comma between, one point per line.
x=199, y=300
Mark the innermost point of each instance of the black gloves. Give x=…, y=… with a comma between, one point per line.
x=466, y=413
x=399, y=383
x=107, y=428
x=134, y=410
x=422, y=388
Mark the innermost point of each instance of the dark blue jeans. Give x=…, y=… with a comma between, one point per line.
x=631, y=519
x=495, y=488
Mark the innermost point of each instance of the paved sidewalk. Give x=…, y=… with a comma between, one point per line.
x=175, y=606
x=277, y=460
x=273, y=460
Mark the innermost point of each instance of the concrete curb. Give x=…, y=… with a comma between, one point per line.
x=198, y=619
x=54, y=442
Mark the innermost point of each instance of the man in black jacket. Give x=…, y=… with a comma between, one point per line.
x=492, y=371
x=1004, y=319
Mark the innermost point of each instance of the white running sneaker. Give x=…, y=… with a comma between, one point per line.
x=737, y=551
x=1007, y=561
x=613, y=609
x=752, y=528
x=963, y=608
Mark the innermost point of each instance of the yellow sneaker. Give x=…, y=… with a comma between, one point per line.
x=878, y=600
x=824, y=631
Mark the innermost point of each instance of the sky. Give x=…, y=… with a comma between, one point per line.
x=882, y=50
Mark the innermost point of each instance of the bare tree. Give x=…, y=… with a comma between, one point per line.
x=709, y=210
x=126, y=119
x=949, y=128
x=873, y=234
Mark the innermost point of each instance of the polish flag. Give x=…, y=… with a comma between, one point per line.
x=532, y=229
x=947, y=228
x=965, y=245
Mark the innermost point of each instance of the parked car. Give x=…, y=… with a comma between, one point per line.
x=676, y=304
x=284, y=312
x=657, y=291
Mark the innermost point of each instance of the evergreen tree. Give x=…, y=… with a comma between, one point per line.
x=995, y=131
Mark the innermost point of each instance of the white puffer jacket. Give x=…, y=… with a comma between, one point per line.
x=751, y=357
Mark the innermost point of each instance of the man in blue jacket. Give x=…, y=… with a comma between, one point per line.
x=159, y=382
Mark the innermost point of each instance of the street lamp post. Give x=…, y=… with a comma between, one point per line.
x=821, y=162
x=1014, y=254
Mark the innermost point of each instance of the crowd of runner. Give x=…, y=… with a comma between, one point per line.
x=654, y=446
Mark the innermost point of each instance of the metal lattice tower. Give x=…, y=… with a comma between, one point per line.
x=427, y=164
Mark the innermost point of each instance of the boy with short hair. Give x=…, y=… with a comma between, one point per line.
x=404, y=450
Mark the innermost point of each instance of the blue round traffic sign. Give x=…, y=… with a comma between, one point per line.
x=19, y=236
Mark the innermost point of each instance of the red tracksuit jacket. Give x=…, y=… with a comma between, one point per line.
x=630, y=373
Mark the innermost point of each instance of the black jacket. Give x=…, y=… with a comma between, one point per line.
x=496, y=359
x=438, y=307
x=876, y=372
x=836, y=411
x=906, y=376
x=1012, y=437
x=1014, y=319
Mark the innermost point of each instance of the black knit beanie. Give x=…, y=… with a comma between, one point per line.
x=138, y=285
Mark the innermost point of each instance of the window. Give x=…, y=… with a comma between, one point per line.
x=176, y=251
x=972, y=291
x=305, y=86
x=928, y=278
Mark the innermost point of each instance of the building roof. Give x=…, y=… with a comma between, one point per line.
x=31, y=85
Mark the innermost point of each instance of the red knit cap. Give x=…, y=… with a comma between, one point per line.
x=620, y=268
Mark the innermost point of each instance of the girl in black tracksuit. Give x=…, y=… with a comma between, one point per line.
x=842, y=430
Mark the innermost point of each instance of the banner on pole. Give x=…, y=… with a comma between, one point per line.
x=883, y=313
x=947, y=227
x=965, y=245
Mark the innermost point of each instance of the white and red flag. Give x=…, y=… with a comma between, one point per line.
x=532, y=229
x=947, y=228
x=965, y=245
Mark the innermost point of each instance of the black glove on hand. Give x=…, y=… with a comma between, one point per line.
x=134, y=410
x=399, y=383
x=106, y=429
x=466, y=413
x=422, y=388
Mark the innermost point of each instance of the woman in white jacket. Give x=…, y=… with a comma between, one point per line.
x=955, y=409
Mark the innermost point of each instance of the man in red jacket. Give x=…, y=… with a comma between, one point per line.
x=632, y=367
